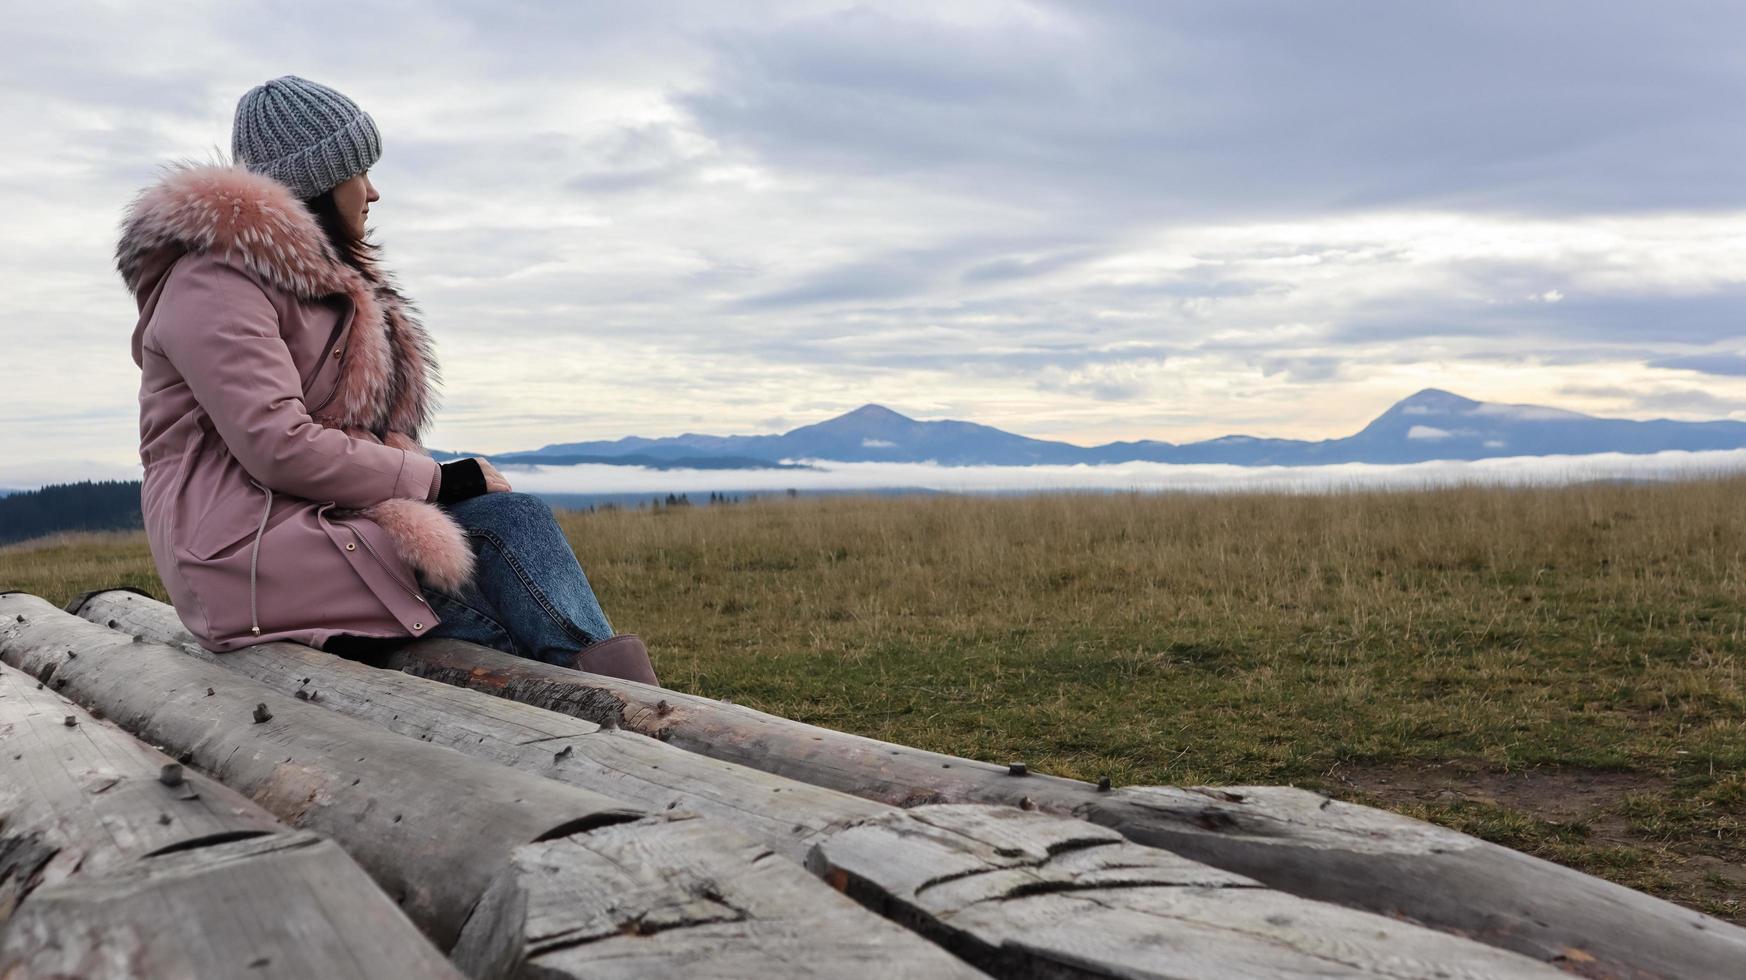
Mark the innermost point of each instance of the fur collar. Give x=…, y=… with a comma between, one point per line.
x=388, y=374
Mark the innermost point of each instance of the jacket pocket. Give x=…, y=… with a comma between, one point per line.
x=231, y=514
x=236, y=529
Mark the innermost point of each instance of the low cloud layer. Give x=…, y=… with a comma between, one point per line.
x=1087, y=221
x=1132, y=477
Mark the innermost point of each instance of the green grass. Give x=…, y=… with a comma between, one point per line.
x=1539, y=635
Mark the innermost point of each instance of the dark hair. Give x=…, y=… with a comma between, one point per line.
x=359, y=253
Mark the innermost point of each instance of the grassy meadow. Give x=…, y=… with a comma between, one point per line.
x=1559, y=670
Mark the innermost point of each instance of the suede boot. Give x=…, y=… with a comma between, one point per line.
x=623, y=656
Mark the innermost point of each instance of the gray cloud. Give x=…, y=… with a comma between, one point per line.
x=1114, y=219
x=1016, y=267
x=1663, y=398
x=875, y=277
x=1725, y=364
x=1245, y=108
x=1304, y=369
x=1655, y=317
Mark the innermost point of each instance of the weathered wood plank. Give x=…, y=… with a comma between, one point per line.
x=677, y=897
x=432, y=826
x=109, y=869
x=288, y=905
x=1007, y=889
x=784, y=814
x=464, y=817
x=1289, y=839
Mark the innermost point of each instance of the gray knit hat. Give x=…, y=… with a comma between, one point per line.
x=303, y=134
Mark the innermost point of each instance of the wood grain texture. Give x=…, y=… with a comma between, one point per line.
x=1289, y=839
x=1024, y=894
x=86, y=798
x=786, y=815
x=432, y=826
x=679, y=897
x=1308, y=844
x=289, y=905
x=119, y=873
x=882, y=771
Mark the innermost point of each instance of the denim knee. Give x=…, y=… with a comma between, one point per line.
x=503, y=512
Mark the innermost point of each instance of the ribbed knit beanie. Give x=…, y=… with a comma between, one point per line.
x=303, y=134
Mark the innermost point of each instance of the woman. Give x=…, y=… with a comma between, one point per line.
x=284, y=384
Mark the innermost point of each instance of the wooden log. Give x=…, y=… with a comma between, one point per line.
x=474, y=722
x=87, y=797
x=432, y=826
x=526, y=736
x=1086, y=902
x=464, y=817
x=1290, y=839
x=110, y=869
x=785, y=815
x=656, y=899
x=289, y=905
x=882, y=771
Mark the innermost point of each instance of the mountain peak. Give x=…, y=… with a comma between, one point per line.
x=869, y=419
x=872, y=412
x=1436, y=399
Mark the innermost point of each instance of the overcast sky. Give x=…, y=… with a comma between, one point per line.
x=1076, y=220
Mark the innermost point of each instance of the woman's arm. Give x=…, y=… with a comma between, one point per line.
x=218, y=328
x=459, y=479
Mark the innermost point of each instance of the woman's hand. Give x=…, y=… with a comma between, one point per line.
x=494, y=481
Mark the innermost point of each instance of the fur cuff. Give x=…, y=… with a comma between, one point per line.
x=427, y=539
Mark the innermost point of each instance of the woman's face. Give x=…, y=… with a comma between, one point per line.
x=352, y=199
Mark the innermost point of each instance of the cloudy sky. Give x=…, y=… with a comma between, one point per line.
x=1079, y=220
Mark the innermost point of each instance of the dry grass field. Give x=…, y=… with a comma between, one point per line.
x=1559, y=670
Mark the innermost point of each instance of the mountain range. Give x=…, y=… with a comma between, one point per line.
x=1430, y=425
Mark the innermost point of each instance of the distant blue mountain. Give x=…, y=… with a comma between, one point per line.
x=1430, y=425
x=1435, y=424
x=871, y=433
x=542, y=458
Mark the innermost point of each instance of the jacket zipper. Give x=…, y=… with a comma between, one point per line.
x=343, y=345
x=344, y=348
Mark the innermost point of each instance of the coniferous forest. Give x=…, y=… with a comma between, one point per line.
x=84, y=506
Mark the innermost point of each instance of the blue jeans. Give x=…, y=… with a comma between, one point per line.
x=529, y=595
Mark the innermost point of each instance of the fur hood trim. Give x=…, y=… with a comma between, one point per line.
x=388, y=376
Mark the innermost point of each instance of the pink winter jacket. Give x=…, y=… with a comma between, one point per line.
x=285, y=494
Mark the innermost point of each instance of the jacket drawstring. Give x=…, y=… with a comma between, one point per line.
x=255, y=560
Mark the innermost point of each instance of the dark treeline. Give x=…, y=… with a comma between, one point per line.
x=684, y=500
x=104, y=506
x=114, y=505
